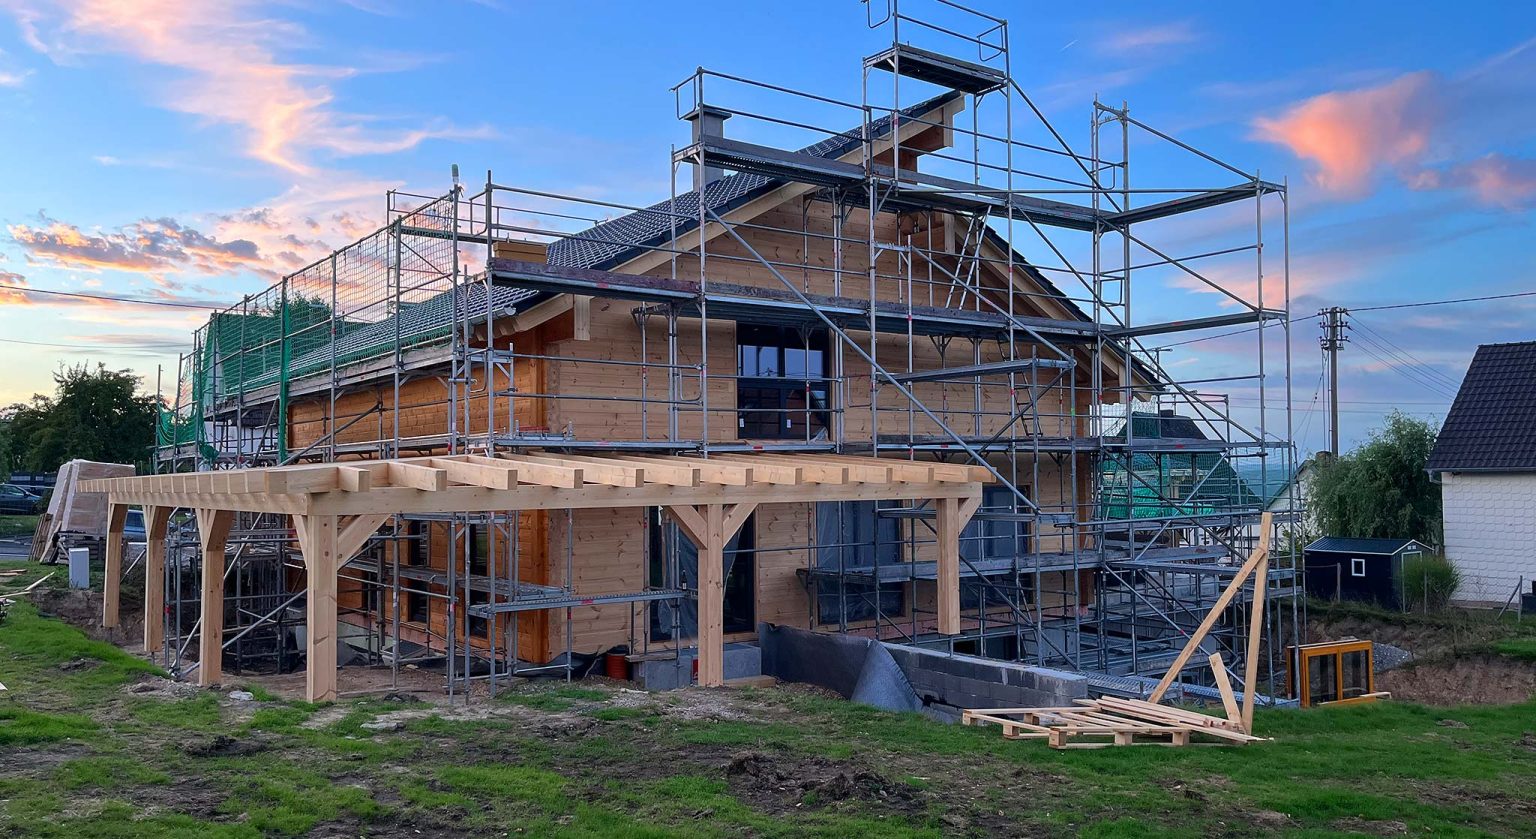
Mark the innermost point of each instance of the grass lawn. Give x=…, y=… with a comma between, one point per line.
x=82, y=756
x=12, y=525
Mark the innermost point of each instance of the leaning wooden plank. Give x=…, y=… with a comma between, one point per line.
x=1259, y=553
x=1224, y=685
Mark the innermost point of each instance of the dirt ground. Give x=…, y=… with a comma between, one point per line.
x=1450, y=666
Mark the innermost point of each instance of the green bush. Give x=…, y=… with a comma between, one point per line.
x=1429, y=581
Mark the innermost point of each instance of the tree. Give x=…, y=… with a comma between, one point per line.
x=1381, y=489
x=94, y=414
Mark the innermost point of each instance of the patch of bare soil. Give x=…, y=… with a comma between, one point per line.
x=781, y=783
x=159, y=687
x=223, y=745
x=1472, y=680
x=82, y=610
x=40, y=761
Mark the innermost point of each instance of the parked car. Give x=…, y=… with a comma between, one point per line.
x=19, y=500
x=133, y=526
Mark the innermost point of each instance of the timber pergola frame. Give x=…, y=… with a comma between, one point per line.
x=337, y=507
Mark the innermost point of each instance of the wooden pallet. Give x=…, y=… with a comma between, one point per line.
x=1096, y=723
x=40, y=537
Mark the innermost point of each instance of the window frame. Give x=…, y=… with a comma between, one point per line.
x=1357, y=566
x=772, y=411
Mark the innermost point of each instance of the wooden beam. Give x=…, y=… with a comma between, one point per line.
x=539, y=471
x=1255, y=628
x=417, y=476
x=213, y=538
x=1259, y=553
x=112, y=574
x=813, y=470
x=321, y=561
x=712, y=598
x=156, y=522
x=948, y=526
x=593, y=470
x=766, y=471
x=709, y=470
x=736, y=516
x=356, y=533
x=353, y=479
x=652, y=471
x=1224, y=686
x=691, y=522
x=484, y=472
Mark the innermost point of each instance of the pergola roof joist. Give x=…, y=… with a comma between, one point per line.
x=336, y=507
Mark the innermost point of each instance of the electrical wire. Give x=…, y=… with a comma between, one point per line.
x=135, y=300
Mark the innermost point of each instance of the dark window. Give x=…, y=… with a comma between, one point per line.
x=851, y=537
x=994, y=534
x=781, y=392
x=479, y=549
x=740, y=578
x=417, y=601
x=479, y=625
x=418, y=546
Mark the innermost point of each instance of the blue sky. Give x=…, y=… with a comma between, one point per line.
x=192, y=152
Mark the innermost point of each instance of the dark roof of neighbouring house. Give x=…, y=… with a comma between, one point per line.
x=1346, y=545
x=1492, y=424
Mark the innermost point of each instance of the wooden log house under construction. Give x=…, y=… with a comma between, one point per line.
x=887, y=383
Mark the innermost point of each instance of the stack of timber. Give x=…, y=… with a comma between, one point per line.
x=1132, y=721
x=1124, y=722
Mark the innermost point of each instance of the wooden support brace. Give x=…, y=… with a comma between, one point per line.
x=1255, y=629
x=951, y=515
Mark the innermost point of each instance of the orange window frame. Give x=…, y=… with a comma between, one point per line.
x=1298, y=665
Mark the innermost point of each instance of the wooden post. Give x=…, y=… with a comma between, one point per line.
x=710, y=533
x=948, y=593
x=112, y=574
x=952, y=515
x=156, y=520
x=712, y=598
x=213, y=536
x=1255, y=624
x=318, y=536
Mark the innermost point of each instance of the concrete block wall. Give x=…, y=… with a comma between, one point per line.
x=944, y=680
x=1490, y=532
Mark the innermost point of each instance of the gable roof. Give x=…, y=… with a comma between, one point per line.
x=1375, y=547
x=1492, y=424
x=610, y=244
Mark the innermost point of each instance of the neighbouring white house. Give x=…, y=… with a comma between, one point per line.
x=1485, y=459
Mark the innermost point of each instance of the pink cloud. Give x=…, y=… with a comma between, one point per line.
x=1350, y=134
x=154, y=247
x=1501, y=181
x=232, y=74
x=1150, y=37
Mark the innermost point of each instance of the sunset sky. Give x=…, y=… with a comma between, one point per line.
x=191, y=153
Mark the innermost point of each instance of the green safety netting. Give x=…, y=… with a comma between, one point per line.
x=1170, y=483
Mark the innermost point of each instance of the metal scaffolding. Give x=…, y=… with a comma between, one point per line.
x=1123, y=501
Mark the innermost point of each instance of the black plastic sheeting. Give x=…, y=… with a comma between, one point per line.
x=859, y=669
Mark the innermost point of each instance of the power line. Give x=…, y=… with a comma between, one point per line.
x=1423, y=365
x=100, y=347
x=137, y=300
x=1443, y=302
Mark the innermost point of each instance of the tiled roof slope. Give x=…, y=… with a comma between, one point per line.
x=608, y=245
x=612, y=243
x=1347, y=545
x=1492, y=423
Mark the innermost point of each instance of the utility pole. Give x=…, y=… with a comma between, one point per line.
x=1333, y=339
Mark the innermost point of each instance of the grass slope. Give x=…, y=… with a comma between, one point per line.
x=82, y=757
